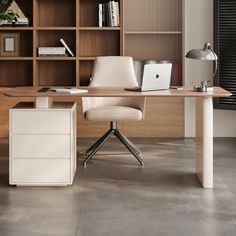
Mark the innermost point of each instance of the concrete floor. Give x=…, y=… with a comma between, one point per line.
x=115, y=197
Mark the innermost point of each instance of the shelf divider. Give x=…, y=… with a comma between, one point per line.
x=16, y=28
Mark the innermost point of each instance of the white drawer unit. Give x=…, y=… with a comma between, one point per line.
x=42, y=145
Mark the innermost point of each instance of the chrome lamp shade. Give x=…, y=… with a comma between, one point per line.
x=206, y=54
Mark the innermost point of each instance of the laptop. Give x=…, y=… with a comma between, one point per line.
x=155, y=77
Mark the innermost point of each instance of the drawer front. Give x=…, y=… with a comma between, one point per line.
x=40, y=146
x=40, y=171
x=40, y=122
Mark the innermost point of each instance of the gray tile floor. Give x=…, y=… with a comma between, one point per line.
x=114, y=196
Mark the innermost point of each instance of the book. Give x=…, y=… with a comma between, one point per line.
x=103, y=15
x=100, y=15
x=107, y=15
x=51, y=50
x=14, y=24
x=113, y=14
x=117, y=14
x=52, y=55
x=69, y=90
x=110, y=14
x=67, y=48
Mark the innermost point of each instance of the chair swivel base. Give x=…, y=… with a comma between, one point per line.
x=101, y=141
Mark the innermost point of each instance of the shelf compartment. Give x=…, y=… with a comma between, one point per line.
x=27, y=8
x=58, y=13
x=26, y=42
x=47, y=38
x=156, y=15
x=98, y=43
x=85, y=69
x=89, y=12
x=56, y=73
x=10, y=77
x=156, y=47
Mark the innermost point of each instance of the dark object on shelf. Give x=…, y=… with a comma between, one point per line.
x=224, y=42
x=9, y=44
x=176, y=77
x=43, y=90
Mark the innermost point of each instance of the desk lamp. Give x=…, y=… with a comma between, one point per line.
x=204, y=54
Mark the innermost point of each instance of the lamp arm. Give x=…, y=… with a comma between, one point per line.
x=216, y=67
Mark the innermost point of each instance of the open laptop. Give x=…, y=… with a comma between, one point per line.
x=155, y=77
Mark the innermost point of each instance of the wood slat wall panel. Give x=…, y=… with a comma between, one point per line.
x=152, y=15
x=164, y=117
x=150, y=20
x=158, y=47
x=159, y=121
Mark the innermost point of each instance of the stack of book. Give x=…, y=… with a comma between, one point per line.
x=108, y=14
x=51, y=51
x=55, y=51
x=22, y=20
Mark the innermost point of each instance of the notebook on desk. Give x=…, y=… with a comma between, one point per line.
x=155, y=77
x=72, y=90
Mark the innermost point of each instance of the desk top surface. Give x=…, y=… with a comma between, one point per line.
x=116, y=92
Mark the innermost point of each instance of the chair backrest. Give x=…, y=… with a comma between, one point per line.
x=113, y=71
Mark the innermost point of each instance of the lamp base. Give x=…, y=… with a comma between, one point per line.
x=199, y=88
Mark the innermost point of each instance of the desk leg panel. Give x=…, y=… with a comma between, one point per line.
x=204, y=141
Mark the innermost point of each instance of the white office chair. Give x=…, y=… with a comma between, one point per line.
x=113, y=71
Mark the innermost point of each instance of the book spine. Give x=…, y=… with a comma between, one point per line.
x=52, y=55
x=100, y=15
x=117, y=14
x=107, y=14
x=103, y=15
x=52, y=50
x=112, y=13
x=40, y=52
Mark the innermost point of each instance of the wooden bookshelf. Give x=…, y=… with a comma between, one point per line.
x=148, y=30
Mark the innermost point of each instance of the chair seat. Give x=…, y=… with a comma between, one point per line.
x=113, y=113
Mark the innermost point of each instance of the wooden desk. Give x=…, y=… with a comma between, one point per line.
x=117, y=92
x=204, y=116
